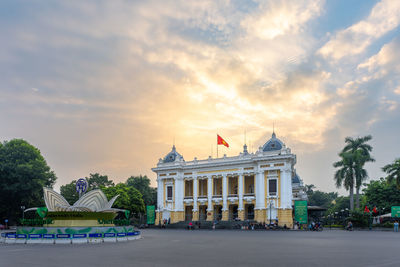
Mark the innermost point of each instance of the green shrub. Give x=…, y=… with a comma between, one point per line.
x=358, y=218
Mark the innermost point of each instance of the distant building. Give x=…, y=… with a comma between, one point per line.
x=260, y=186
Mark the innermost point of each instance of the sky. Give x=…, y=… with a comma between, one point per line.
x=110, y=86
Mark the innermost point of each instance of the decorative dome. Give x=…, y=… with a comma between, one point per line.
x=172, y=156
x=273, y=144
x=295, y=179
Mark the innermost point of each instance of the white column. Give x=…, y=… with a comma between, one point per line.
x=241, y=191
x=209, y=193
x=286, y=189
x=179, y=189
x=160, y=194
x=195, y=192
x=224, y=193
x=260, y=190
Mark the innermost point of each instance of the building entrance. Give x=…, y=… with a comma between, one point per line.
x=202, y=213
x=188, y=213
x=249, y=212
x=217, y=212
x=233, y=212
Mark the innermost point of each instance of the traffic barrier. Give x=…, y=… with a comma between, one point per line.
x=121, y=237
x=109, y=237
x=63, y=239
x=48, y=238
x=34, y=239
x=79, y=238
x=21, y=239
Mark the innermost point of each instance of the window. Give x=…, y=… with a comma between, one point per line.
x=169, y=192
x=272, y=187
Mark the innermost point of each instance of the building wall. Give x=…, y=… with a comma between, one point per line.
x=279, y=167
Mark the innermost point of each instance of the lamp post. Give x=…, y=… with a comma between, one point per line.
x=159, y=218
x=23, y=212
x=342, y=215
x=270, y=212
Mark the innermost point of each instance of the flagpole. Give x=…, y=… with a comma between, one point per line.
x=217, y=145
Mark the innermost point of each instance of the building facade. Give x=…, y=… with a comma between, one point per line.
x=258, y=186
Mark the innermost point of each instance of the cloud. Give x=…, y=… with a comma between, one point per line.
x=384, y=17
x=275, y=19
x=117, y=81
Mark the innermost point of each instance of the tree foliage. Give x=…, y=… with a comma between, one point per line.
x=339, y=204
x=142, y=183
x=23, y=174
x=382, y=194
x=351, y=172
x=344, y=175
x=129, y=197
x=319, y=198
x=68, y=191
x=95, y=181
x=360, y=154
x=393, y=172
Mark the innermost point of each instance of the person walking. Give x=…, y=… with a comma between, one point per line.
x=396, y=226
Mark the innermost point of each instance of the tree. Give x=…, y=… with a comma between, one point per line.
x=23, y=174
x=322, y=199
x=345, y=175
x=95, y=181
x=129, y=197
x=142, y=183
x=393, y=171
x=68, y=191
x=382, y=193
x=309, y=188
x=360, y=151
x=340, y=203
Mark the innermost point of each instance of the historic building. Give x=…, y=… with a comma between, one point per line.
x=260, y=186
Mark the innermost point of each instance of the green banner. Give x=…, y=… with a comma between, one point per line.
x=396, y=211
x=300, y=211
x=150, y=214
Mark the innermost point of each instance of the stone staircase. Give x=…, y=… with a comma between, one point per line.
x=208, y=225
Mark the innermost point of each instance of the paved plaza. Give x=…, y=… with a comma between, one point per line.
x=218, y=248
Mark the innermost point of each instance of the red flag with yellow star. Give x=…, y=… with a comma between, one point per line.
x=221, y=141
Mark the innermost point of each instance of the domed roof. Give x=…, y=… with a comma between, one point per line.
x=273, y=144
x=295, y=179
x=172, y=156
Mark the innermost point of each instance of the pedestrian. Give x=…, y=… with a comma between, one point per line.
x=190, y=226
x=396, y=226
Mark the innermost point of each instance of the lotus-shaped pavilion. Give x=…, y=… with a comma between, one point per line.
x=92, y=201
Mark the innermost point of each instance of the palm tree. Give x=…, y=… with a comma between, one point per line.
x=361, y=154
x=393, y=171
x=345, y=175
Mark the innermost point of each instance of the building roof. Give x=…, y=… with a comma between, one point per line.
x=273, y=144
x=172, y=156
x=295, y=179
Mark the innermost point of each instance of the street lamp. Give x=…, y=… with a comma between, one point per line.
x=23, y=212
x=159, y=218
x=270, y=212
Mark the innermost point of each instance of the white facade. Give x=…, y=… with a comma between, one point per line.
x=254, y=186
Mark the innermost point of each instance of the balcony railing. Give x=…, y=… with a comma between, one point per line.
x=217, y=196
x=188, y=197
x=248, y=194
x=232, y=195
